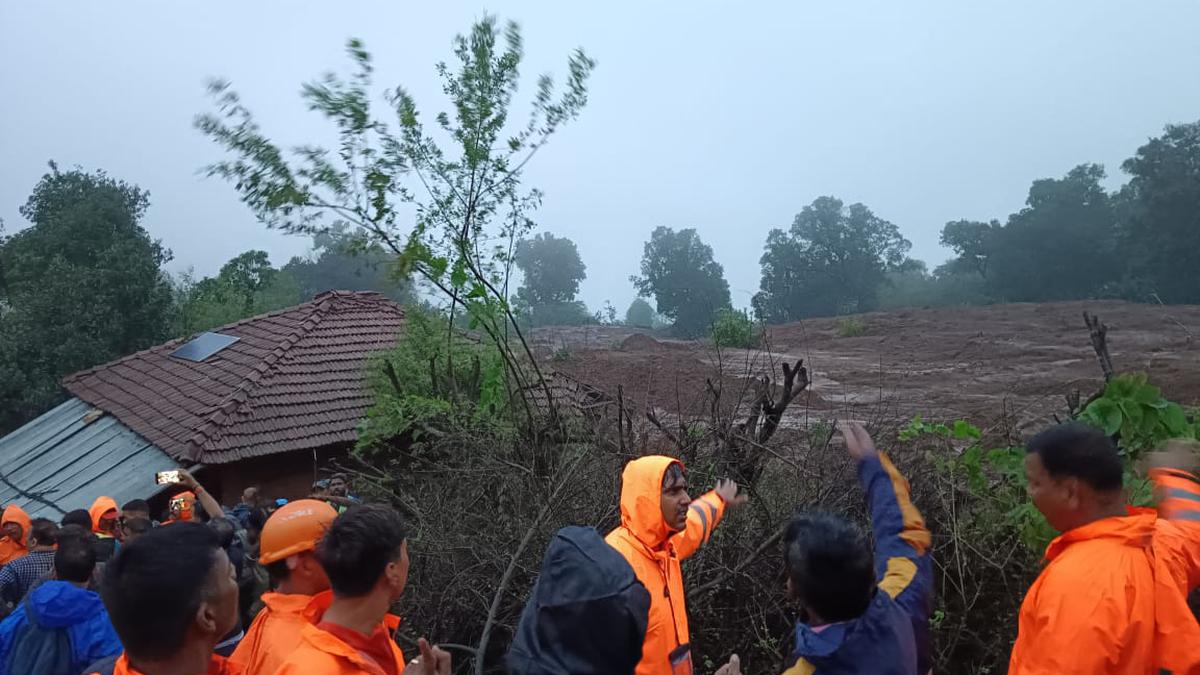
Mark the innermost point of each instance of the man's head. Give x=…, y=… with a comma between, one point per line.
x=104, y=515
x=225, y=531
x=365, y=551
x=136, y=508
x=1074, y=474
x=250, y=496
x=183, y=506
x=288, y=544
x=43, y=532
x=320, y=488
x=15, y=524
x=675, y=498
x=78, y=517
x=132, y=528
x=171, y=589
x=830, y=567
x=338, y=485
x=74, y=560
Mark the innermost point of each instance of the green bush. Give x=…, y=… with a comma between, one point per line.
x=851, y=327
x=733, y=328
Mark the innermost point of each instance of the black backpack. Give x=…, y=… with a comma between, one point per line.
x=39, y=651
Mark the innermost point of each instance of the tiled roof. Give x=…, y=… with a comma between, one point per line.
x=295, y=380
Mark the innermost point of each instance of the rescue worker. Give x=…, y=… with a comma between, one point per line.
x=586, y=614
x=861, y=611
x=365, y=554
x=103, y=514
x=171, y=596
x=661, y=526
x=1112, y=596
x=15, y=524
x=288, y=550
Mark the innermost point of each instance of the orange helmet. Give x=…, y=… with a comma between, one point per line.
x=294, y=528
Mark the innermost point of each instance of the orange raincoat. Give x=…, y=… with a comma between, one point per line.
x=9, y=549
x=275, y=633
x=655, y=553
x=321, y=653
x=1113, y=595
x=217, y=666
x=101, y=506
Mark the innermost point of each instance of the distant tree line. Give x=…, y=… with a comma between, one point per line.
x=84, y=284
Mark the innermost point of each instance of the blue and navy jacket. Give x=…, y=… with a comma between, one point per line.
x=58, y=624
x=893, y=636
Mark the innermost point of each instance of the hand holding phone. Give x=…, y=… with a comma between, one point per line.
x=166, y=477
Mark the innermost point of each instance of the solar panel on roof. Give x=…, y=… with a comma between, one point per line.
x=203, y=346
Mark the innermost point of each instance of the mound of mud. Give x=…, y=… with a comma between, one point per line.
x=640, y=342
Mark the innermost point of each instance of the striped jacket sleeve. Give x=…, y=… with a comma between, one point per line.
x=703, y=515
x=1178, y=493
x=901, y=540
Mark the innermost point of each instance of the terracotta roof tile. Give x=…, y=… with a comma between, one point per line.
x=293, y=381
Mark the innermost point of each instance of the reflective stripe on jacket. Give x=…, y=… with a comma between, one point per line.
x=655, y=553
x=892, y=637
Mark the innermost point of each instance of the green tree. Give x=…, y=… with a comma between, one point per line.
x=687, y=284
x=552, y=270
x=1160, y=215
x=973, y=242
x=345, y=262
x=246, y=285
x=640, y=314
x=833, y=260
x=1061, y=246
x=83, y=285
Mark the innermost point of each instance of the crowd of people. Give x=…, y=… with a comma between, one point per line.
x=306, y=587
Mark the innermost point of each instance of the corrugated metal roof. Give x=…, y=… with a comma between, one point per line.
x=61, y=461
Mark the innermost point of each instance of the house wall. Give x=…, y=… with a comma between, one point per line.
x=289, y=474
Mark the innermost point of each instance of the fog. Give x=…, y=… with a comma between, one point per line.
x=726, y=117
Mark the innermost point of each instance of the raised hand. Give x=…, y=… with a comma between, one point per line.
x=858, y=441
x=727, y=490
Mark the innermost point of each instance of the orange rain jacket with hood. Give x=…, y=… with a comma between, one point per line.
x=101, y=506
x=1113, y=595
x=655, y=553
x=275, y=633
x=11, y=550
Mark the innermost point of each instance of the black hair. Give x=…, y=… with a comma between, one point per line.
x=155, y=584
x=673, y=473
x=1078, y=450
x=278, y=572
x=44, y=531
x=78, y=517
x=138, y=526
x=358, y=546
x=74, y=533
x=74, y=560
x=257, y=519
x=225, y=530
x=139, y=505
x=831, y=566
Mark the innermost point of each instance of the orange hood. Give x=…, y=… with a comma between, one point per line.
x=16, y=514
x=101, y=506
x=641, y=499
x=1135, y=529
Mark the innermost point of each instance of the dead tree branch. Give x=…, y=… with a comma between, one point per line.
x=1099, y=335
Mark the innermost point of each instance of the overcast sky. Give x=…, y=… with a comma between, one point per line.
x=727, y=117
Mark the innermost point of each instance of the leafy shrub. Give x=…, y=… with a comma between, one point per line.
x=851, y=327
x=640, y=314
x=1136, y=414
x=733, y=328
x=435, y=378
